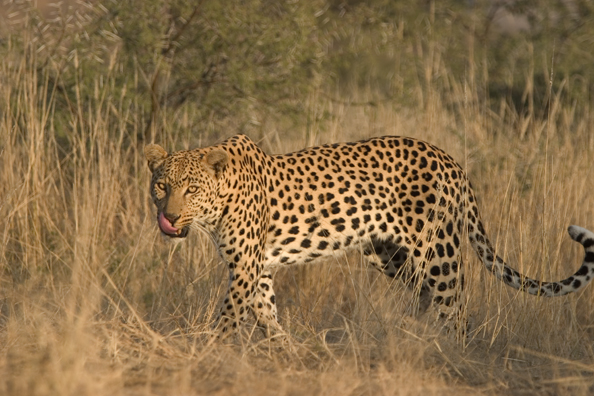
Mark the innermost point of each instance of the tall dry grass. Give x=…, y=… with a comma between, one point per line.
x=93, y=301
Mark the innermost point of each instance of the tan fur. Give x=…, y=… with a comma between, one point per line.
x=403, y=203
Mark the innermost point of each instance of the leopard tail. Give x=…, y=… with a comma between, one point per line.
x=513, y=278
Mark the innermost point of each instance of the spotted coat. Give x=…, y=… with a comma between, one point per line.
x=404, y=203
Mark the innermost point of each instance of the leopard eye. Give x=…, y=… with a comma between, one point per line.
x=161, y=186
x=192, y=189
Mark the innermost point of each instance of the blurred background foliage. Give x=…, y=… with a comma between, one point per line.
x=241, y=66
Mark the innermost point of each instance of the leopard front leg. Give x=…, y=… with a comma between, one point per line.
x=240, y=296
x=241, y=239
x=264, y=306
x=246, y=296
x=242, y=248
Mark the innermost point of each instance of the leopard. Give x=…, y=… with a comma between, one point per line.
x=406, y=206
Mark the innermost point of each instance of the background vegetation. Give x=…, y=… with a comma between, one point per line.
x=94, y=301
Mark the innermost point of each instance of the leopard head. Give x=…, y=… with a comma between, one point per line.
x=184, y=188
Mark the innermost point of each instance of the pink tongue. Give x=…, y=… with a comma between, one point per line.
x=165, y=225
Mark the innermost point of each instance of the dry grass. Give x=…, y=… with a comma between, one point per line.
x=93, y=301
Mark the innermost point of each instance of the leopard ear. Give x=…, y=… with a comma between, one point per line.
x=217, y=161
x=155, y=155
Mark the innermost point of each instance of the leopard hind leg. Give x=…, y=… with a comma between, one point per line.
x=445, y=280
x=436, y=279
x=394, y=260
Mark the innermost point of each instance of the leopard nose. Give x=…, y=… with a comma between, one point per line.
x=171, y=217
